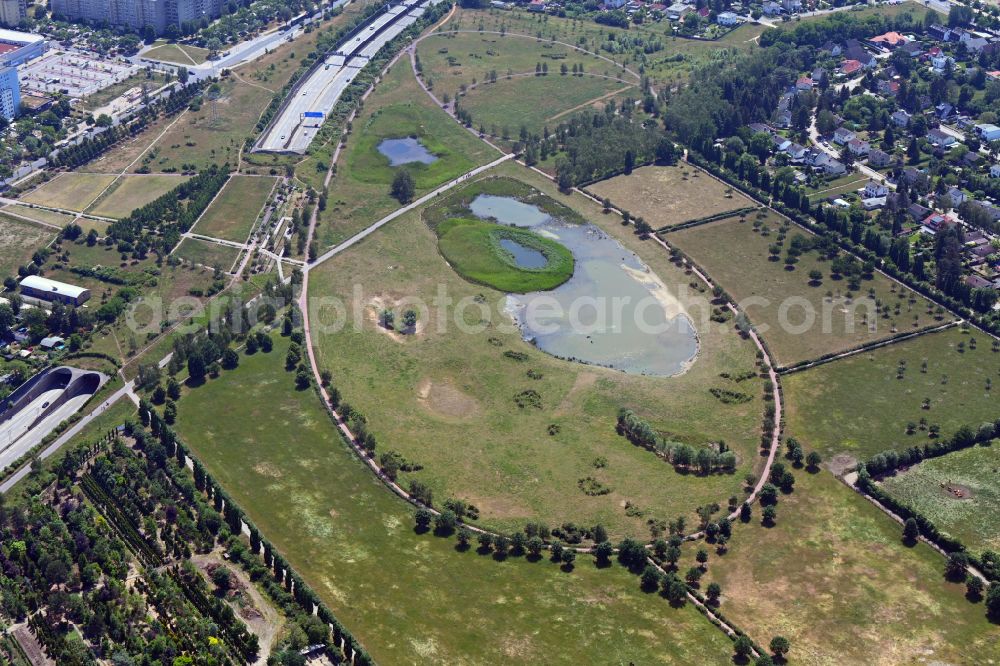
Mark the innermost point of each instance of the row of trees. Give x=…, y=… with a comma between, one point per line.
x=704, y=460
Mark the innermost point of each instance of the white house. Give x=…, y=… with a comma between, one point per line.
x=988, y=132
x=874, y=189
x=727, y=18
x=859, y=147
x=901, y=118
x=843, y=136
x=995, y=171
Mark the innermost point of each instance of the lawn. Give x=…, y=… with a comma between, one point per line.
x=454, y=61
x=39, y=214
x=180, y=54
x=834, y=577
x=974, y=517
x=536, y=101
x=152, y=80
x=409, y=598
x=207, y=253
x=444, y=399
x=359, y=191
x=669, y=195
x=859, y=406
x=799, y=317
x=131, y=192
x=233, y=213
x=18, y=241
x=69, y=191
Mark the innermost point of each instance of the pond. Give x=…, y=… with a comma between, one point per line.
x=405, y=151
x=524, y=257
x=614, y=312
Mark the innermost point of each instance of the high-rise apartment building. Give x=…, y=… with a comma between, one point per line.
x=12, y=12
x=10, y=93
x=137, y=14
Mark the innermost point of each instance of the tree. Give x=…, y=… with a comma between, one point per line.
x=444, y=523
x=768, y=493
x=603, y=553
x=779, y=646
x=600, y=534
x=813, y=460
x=742, y=647
x=674, y=588
x=196, y=367
x=423, y=519
x=713, y=592
x=702, y=557
x=650, y=578
x=993, y=602
x=173, y=389
x=403, y=187
x=974, y=588
x=693, y=575
x=764, y=660
x=746, y=512
x=568, y=557
x=222, y=577
x=230, y=359
x=769, y=515
x=410, y=319
x=910, y=532
x=955, y=569
x=170, y=412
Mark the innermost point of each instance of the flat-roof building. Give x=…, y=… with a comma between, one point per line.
x=17, y=48
x=51, y=290
x=10, y=93
x=12, y=12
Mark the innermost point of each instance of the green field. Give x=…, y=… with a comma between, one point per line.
x=413, y=599
x=834, y=577
x=440, y=385
x=18, y=241
x=359, y=192
x=70, y=191
x=668, y=195
x=207, y=253
x=151, y=79
x=858, y=406
x=235, y=210
x=472, y=247
x=536, y=101
x=800, y=318
x=180, y=54
x=455, y=60
x=131, y=192
x=973, y=518
x=41, y=215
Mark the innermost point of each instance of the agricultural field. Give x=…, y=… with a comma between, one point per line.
x=39, y=214
x=412, y=598
x=207, y=253
x=803, y=315
x=131, y=192
x=398, y=108
x=668, y=195
x=178, y=54
x=455, y=61
x=18, y=241
x=537, y=101
x=864, y=404
x=958, y=492
x=417, y=392
x=834, y=577
x=235, y=210
x=70, y=191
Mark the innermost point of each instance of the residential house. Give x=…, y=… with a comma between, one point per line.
x=943, y=110
x=888, y=88
x=901, y=118
x=833, y=49
x=796, y=152
x=957, y=197
x=917, y=212
x=874, y=189
x=941, y=62
x=676, y=11
x=912, y=48
x=537, y=6
x=850, y=67
x=783, y=118
x=939, y=138
x=995, y=171
x=873, y=203
x=771, y=8
x=829, y=165
x=859, y=147
x=759, y=127
x=818, y=75
x=879, y=158
x=804, y=83
x=843, y=136
x=727, y=18
x=988, y=132
x=889, y=40
x=977, y=282
x=791, y=6
x=935, y=222
x=780, y=143
x=939, y=33
x=853, y=50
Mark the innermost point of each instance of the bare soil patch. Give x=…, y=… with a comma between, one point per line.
x=445, y=399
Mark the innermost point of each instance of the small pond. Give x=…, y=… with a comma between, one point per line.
x=524, y=257
x=614, y=311
x=405, y=151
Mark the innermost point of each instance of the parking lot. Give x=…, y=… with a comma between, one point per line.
x=73, y=74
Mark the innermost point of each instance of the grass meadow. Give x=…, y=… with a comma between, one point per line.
x=233, y=213
x=445, y=399
x=359, y=192
x=860, y=405
x=69, y=191
x=779, y=298
x=207, y=253
x=834, y=577
x=669, y=195
x=18, y=241
x=131, y=192
x=973, y=518
x=412, y=598
x=41, y=215
x=178, y=54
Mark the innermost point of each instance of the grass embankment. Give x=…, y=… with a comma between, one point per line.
x=801, y=317
x=444, y=396
x=410, y=598
x=863, y=404
x=973, y=517
x=834, y=577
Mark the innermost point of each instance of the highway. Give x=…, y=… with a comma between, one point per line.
x=292, y=131
x=20, y=423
